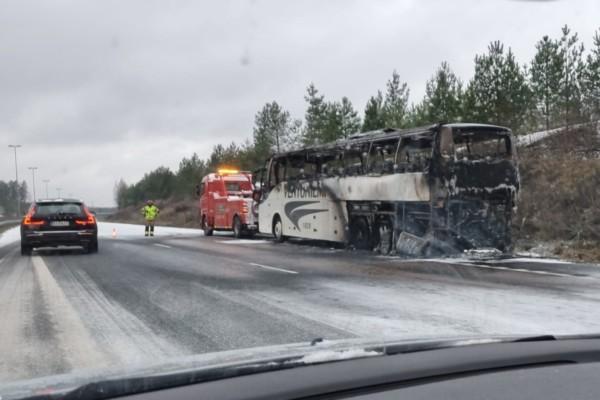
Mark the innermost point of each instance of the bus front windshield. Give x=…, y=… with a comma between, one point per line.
x=481, y=147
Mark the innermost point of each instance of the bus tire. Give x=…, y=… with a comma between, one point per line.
x=208, y=231
x=237, y=227
x=278, y=229
x=360, y=234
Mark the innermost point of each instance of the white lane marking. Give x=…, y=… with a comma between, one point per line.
x=244, y=241
x=528, y=271
x=289, y=271
x=77, y=343
x=468, y=264
x=162, y=245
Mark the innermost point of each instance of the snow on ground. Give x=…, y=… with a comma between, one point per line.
x=333, y=355
x=405, y=309
x=245, y=241
x=10, y=236
x=126, y=231
x=531, y=138
x=536, y=136
x=106, y=229
x=531, y=260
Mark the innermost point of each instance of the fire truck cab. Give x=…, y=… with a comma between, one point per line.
x=226, y=203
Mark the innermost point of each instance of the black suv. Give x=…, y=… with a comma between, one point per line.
x=59, y=222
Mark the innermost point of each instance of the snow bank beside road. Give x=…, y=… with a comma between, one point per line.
x=105, y=229
x=531, y=138
x=10, y=236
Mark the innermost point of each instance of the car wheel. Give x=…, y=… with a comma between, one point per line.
x=25, y=250
x=278, y=229
x=92, y=247
x=208, y=231
x=237, y=227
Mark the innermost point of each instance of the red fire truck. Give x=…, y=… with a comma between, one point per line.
x=226, y=203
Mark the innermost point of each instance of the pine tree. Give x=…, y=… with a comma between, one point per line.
x=545, y=75
x=294, y=137
x=271, y=129
x=573, y=69
x=591, y=81
x=374, y=113
x=498, y=92
x=216, y=157
x=395, y=106
x=315, y=117
x=350, y=119
x=190, y=173
x=120, y=193
x=417, y=115
x=443, y=94
x=332, y=123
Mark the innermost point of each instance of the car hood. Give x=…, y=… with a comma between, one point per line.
x=249, y=360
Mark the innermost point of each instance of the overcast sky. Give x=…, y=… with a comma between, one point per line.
x=97, y=91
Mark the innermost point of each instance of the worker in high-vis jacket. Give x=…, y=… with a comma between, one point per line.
x=150, y=212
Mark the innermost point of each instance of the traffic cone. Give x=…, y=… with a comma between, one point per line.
x=114, y=233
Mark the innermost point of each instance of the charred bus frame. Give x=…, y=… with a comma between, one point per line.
x=437, y=189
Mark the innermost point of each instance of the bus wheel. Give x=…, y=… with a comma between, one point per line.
x=385, y=237
x=360, y=234
x=278, y=229
x=208, y=231
x=237, y=227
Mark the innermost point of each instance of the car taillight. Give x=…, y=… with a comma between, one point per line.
x=27, y=220
x=90, y=220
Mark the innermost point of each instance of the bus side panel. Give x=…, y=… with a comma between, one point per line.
x=409, y=186
x=305, y=213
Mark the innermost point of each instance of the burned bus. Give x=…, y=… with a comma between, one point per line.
x=439, y=189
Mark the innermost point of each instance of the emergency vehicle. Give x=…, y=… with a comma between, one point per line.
x=226, y=203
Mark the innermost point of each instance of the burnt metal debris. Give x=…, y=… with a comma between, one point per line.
x=435, y=190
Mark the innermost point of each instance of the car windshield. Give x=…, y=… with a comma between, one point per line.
x=192, y=184
x=44, y=209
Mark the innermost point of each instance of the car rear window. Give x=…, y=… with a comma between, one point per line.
x=58, y=208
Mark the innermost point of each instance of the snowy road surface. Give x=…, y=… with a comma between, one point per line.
x=140, y=300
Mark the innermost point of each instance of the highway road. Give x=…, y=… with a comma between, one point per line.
x=141, y=300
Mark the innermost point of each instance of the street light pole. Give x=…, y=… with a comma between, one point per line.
x=15, y=147
x=33, y=177
x=58, y=192
x=46, y=181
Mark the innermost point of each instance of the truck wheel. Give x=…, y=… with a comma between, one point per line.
x=360, y=234
x=25, y=250
x=237, y=227
x=208, y=231
x=278, y=229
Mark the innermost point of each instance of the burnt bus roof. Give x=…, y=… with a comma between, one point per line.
x=425, y=132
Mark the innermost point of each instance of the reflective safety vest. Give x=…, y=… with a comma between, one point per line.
x=150, y=212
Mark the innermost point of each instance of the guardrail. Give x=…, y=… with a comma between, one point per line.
x=10, y=221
